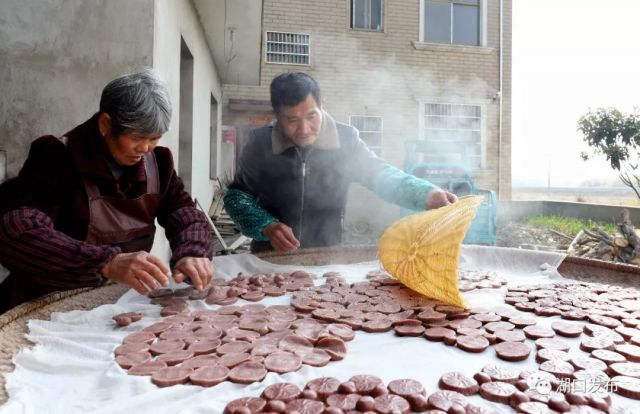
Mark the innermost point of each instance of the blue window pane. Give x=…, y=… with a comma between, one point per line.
x=359, y=13
x=376, y=15
x=465, y=25
x=437, y=22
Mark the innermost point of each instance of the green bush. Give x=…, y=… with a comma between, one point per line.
x=568, y=225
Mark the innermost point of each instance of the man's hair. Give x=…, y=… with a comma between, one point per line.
x=291, y=88
x=138, y=102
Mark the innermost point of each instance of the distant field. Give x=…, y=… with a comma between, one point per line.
x=617, y=196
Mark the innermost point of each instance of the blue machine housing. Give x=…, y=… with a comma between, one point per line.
x=457, y=179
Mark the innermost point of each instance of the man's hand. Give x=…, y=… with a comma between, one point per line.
x=439, y=198
x=198, y=269
x=281, y=237
x=140, y=270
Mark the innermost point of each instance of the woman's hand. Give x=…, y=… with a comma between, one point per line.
x=140, y=270
x=198, y=269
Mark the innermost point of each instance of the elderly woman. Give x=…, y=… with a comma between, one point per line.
x=83, y=207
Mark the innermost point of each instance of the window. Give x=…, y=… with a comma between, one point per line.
x=454, y=132
x=366, y=14
x=370, y=128
x=287, y=48
x=451, y=21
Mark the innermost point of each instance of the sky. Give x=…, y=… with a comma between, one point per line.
x=569, y=56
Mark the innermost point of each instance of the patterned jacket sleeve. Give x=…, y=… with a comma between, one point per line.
x=31, y=246
x=189, y=234
x=405, y=190
x=387, y=182
x=245, y=211
x=240, y=200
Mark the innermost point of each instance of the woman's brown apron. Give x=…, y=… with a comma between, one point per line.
x=126, y=223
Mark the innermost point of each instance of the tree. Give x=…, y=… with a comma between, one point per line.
x=615, y=135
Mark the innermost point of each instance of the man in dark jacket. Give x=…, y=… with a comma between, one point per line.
x=83, y=207
x=291, y=186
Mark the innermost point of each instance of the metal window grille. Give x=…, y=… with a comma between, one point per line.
x=455, y=131
x=288, y=48
x=370, y=128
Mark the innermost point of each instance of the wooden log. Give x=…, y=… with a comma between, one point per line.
x=597, y=235
x=604, y=249
x=575, y=244
x=626, y=254
x=620, y=241
x=595, y=243
x=591, y=253
x=603, y=234
x=560, y=234
x=627, y=229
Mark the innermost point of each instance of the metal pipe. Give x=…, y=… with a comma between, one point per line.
x=500, y=98
x=3, y=165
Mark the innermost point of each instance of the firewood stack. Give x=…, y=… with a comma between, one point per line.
x=621, y=247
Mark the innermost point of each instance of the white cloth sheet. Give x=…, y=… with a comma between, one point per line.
x=71, y=369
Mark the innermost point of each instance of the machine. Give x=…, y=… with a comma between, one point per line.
x=457, y=179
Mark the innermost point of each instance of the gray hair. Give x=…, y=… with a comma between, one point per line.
x=137, y=102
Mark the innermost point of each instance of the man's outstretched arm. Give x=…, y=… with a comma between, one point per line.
x=247, y=214
x=408, y=191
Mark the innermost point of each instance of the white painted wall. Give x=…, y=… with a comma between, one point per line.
x=174, y=19
x=55, y=58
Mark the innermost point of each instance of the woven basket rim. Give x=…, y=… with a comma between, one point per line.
x=318, y=250
x=38, y=303
x=601, y=264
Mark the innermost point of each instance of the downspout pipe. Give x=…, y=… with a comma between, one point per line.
x=500, y=94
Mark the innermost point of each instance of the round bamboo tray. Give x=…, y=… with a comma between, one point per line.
x=13, y=324
x=598, y=271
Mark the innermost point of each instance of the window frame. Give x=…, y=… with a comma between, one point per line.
x=267, y=52
x=363, y=29
x=214, y=136
x=378, y=148
x=482, y=130
x=482, y=24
